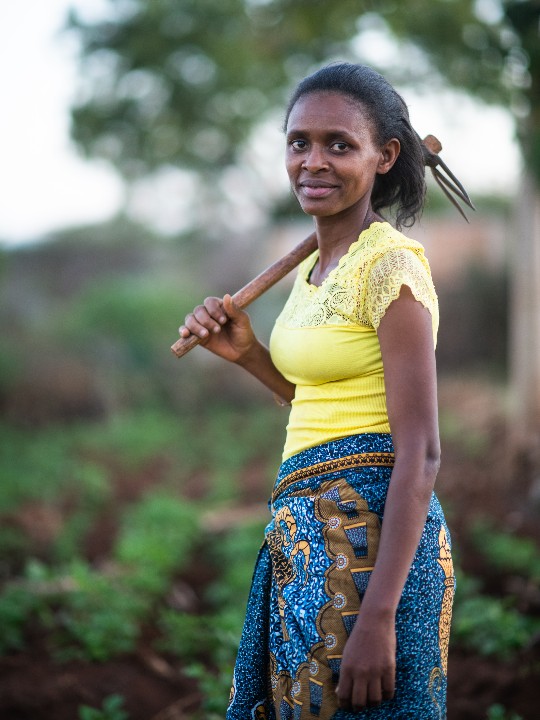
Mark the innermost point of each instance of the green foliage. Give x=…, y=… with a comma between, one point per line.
x=43, y=465
x=15, y=545
x=215, y=636
x=176, y=60
x=215, y=688
x=157, y=537
x=126, y=326
x=134, y=439
x=131, y=317
x=45, y=469
x=236, y=553
x=16, y=606
x=506, y=552
x=110, y=710
x=488, y=625
x=183, y=634
x=37, y=467
x=10, y=367
x=259, y=435
x=103, y=616
x=499, y=712
x=99, y=618
x=97, y=615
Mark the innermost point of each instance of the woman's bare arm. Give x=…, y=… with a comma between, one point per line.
x=406, y=340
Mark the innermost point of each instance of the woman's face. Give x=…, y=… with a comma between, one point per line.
x=332, y=158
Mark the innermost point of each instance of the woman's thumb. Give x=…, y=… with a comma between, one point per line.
x=231, y=308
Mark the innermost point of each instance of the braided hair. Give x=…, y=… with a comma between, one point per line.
x=404, y=186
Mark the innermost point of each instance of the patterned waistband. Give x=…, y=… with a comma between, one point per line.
x=366, y=450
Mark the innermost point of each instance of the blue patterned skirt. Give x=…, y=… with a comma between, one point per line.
x=311, y=574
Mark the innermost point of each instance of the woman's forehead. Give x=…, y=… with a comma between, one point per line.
x=331, y=108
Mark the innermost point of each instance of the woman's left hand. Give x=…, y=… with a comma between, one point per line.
x=368, y=668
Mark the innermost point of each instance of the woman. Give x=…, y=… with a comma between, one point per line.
x=348, y=616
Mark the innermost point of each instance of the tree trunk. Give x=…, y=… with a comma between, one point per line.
x=525, y=330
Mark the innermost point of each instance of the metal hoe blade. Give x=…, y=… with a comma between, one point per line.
x=448, y=182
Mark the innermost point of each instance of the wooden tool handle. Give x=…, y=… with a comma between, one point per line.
x=258, y=286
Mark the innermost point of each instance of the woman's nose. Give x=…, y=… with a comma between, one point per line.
x=314, y=159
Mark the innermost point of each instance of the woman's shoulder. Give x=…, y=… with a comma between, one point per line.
x=381, y=237
x=380, y=242
x=397, y=260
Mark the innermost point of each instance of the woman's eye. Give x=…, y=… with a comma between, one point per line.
x=298, y=144
x=340, y=146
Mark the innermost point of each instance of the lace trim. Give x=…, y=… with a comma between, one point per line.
x=360, y=289
x=388, y=274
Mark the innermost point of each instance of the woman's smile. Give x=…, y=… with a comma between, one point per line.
x=316, y=189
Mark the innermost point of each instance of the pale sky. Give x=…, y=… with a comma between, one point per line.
x=45, y=185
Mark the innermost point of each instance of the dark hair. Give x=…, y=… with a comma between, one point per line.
x=404, y=186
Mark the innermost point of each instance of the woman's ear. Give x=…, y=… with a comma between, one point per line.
x=389, y=155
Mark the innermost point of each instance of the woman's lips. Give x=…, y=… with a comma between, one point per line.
x=316, y=191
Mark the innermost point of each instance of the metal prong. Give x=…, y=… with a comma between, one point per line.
x=438, y=177
x=458, y=187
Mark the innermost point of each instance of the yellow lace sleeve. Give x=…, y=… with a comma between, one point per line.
x=388, y=273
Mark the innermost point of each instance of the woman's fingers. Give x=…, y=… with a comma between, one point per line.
x=374, y=692
x=205, y=319
x=359, y=697
x=198, y=322
x=230, y=306
x=363, y=691
x=388, y=684
x=214, y=307
x=343, y=691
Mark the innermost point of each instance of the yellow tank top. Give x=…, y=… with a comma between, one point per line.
x=325, y=339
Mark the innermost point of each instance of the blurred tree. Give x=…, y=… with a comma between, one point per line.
x=183, y=82
x=165, y=82
x=168, y=82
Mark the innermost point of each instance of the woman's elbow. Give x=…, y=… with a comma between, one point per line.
x=432, y=463
x=433, y=456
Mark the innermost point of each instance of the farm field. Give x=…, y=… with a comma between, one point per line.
x=127, y=547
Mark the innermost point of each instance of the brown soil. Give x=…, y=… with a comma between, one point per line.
x=34, y=688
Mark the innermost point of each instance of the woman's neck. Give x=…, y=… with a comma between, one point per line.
x=334, y=238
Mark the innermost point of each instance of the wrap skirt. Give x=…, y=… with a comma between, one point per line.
x=310, y=577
